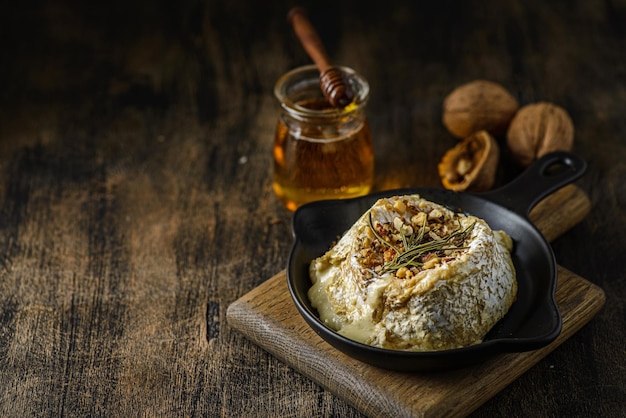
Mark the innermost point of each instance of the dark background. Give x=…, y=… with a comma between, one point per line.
x=136, y=200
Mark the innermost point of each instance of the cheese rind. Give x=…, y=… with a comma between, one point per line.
x=451, y=300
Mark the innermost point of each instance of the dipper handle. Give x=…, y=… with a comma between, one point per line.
x=332, y=82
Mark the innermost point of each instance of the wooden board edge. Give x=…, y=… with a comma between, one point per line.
x=573, y=206
x=592, y=299
x=242, y=315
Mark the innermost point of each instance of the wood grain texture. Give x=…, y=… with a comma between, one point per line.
x=136, y=201
x=560, y=211
x=268, y=317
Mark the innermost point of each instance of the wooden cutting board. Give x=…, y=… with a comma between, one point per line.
x=267, y=316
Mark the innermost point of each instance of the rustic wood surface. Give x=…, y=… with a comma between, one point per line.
x=267, y=316
x=136, y=201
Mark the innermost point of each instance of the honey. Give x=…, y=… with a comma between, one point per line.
x=320, y=152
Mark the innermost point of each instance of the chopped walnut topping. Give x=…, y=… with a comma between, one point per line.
x=413, y=275
x=399, y=207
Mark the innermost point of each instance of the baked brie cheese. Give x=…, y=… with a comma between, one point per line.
x=411, y=274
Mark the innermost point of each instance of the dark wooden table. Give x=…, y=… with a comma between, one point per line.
x=136, y=200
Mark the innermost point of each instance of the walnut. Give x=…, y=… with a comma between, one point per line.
x=472, y=164
x=538, y=129
x=478, y=105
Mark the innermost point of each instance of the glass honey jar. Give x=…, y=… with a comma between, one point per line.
x=320, y=151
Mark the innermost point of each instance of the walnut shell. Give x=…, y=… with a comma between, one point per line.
x=472, y=164
x=538, y=129
x=478, y=105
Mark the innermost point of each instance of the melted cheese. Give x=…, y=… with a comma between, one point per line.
x=453, y=303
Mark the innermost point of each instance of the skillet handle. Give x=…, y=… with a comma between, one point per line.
x=543, y=177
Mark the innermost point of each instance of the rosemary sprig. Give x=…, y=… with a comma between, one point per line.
x=379, y=237
x=415, y=247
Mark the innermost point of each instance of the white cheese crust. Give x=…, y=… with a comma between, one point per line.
x=446, y=299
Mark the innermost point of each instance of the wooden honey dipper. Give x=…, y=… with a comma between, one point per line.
x=332, y=82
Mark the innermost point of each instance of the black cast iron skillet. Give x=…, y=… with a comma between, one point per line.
x=534, y=319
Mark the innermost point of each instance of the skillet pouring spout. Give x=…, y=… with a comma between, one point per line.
x=532, y=322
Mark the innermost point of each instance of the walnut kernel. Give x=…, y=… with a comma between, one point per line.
x=471, y=164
